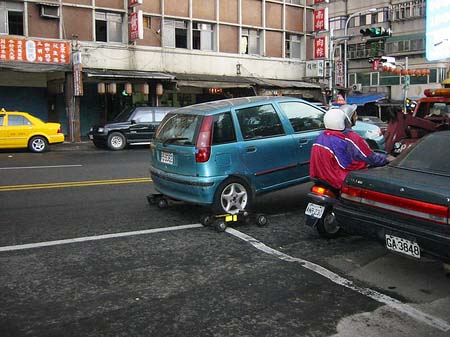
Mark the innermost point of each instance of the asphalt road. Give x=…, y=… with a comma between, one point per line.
x=86, y=255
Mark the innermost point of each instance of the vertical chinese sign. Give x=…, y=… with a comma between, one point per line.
x=77, y=74
x=320, y=47
x=136, y=26
x=34, y=51
x=320, y=19
x=136, y=21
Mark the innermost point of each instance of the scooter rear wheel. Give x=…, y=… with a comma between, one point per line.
x=327, y=227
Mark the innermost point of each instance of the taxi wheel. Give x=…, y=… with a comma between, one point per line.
x=38, y=144
x=232, y=196
x=116, y=141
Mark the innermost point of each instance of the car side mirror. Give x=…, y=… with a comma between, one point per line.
x=133, y=121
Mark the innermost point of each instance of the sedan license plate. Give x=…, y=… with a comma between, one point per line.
x=403, y=246
x=167, y=158
x=314, y=210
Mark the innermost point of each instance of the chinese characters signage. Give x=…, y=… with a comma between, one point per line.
x=37, y=51
x=132, y=3
x=321, y=19
x=339, y=72
x=320, y=47
x=136, y=26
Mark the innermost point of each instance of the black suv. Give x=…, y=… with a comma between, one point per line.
x=133, y=126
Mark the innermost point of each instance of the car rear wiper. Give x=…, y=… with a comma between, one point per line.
x=172, y=140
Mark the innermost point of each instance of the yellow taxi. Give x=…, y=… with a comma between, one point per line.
x=22, y=130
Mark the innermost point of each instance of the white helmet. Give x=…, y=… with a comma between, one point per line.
x=349, y=110
x=334, y=119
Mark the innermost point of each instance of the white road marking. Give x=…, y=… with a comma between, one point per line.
x=375, y=295
x=38, y=167
x=379, y=297
x=96, y=237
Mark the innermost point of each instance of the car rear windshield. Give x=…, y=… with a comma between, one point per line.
x=178, y=129
x=431, y=154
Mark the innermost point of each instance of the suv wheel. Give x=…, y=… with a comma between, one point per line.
x=232, y=196
x=116, y=141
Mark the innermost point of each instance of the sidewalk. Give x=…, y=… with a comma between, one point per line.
x=85, y=145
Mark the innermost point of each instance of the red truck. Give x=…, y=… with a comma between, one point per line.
x=432, y=113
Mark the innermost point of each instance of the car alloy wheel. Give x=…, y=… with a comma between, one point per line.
x=232, y=196
x=38, y=144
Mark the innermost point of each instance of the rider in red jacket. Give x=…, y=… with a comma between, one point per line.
x=339, y=150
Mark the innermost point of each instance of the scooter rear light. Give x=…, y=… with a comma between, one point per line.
x=203, y=146
x=323, y=191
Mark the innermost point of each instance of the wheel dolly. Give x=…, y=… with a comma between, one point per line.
x=160, y=200
x=220, y=222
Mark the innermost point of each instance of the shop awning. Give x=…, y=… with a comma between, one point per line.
x=212, y=81
x=211, y=84
x=126, y=74
x=361, y=99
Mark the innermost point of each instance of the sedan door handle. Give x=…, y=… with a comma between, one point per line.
x=250, y=149
x=303, y=141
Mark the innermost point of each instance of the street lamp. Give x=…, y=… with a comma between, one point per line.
x=371, y=10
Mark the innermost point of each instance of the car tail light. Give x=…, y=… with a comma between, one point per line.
x=59, y=130
x=351, y=193
x=414, y=208
x=203, y=146
x=323, y=191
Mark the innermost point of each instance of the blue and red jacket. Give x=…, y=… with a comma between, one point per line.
x=336, y=153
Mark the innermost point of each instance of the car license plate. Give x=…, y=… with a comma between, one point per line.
x=403, y=246
x=314, y=210
x=167, y=158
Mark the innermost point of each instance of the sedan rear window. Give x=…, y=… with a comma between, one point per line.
x=178, y=129
x=431, y=154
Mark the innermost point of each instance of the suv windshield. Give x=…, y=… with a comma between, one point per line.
x=429, y=155
x=178, y=128
x=124, y=115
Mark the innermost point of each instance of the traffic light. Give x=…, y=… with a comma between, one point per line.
x=376, y=32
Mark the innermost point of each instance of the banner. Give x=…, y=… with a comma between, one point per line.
x=34, y=51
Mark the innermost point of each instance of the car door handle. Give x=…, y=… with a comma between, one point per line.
x=250, y=149
x=303, y=141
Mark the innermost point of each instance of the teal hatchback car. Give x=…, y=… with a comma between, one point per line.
x=225, y=153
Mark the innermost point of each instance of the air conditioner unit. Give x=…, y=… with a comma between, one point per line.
x=49, y=10
x=357, y=87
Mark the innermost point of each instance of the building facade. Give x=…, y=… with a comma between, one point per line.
x=406, y=20
x=80, y=62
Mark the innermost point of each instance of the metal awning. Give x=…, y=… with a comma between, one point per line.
x=126, y=74
x=210, y=84
x=264, y=82
x=361, y=99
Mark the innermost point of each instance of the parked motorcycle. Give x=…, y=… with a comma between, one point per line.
x=319, y=212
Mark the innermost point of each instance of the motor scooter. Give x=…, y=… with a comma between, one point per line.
x=319, y=212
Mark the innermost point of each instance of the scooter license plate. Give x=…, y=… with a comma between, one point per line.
x=314, y=210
